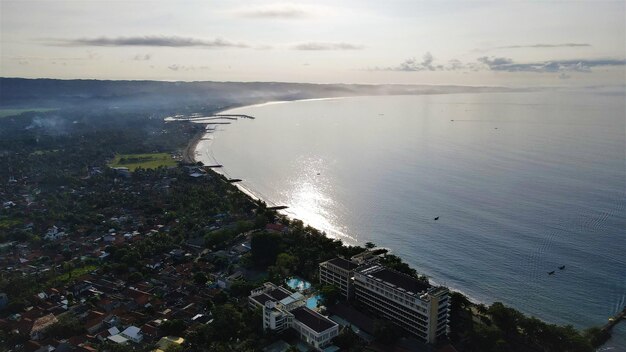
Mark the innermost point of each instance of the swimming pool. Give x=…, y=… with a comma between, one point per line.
x=313, y=301
x=298, y=284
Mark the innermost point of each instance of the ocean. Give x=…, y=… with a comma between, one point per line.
x=522, y=184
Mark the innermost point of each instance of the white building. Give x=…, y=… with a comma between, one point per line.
x=413, y=305
x=339, y=273
x=283, y=309
x=53, y=234
x=314, y=328
x=132, y=333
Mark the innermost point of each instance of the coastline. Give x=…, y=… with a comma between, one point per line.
x=191, y=152
x=194, y=147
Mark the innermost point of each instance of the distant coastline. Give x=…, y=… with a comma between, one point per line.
x=190, y=152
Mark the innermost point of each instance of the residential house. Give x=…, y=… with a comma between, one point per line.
x=132, y=333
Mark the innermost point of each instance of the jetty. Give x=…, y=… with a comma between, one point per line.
x=212, y=166
x=233, y=180
x=235, y=115
x=279, y=207
x=614, y=320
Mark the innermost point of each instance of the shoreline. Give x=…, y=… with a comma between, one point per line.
x=190, y=151
x=193, y=149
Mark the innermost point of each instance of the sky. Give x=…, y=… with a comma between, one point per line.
x=501, y=43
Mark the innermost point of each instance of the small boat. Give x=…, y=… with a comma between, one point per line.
x=437, y=218
x=562, y=267
x=551, y=272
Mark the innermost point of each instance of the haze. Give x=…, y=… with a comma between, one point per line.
x=502, y=43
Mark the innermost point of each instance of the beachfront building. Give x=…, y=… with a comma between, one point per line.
x=267, y=292
x=411, y=304
x=314, y=328
x=339, y=273
x=283, y=310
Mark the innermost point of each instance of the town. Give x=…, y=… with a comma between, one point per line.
x=111, y=241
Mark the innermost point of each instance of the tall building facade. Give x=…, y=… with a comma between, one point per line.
x=409, y=303
x=339, y=272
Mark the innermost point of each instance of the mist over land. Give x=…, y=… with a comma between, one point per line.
x=155, y=95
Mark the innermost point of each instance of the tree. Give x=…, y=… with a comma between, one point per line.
x=227, y=322
x=68, y=267
x=220, y=298
x=348, y=340
x=67, y=326
x=135, y=277
x=507, y=319
x=370, y=245
x=330, y=295
x=199, y=278
x=265, y=248
x=285, y=264
x=173, y=327
x=596, y=336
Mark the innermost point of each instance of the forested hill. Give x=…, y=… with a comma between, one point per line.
x=19, y=92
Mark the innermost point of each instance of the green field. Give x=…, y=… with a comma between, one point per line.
x=6, y=223
x=13, y=112
x=146, y=161
x=71, y=276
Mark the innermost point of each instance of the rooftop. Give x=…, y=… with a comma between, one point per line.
x=294, y=297
x=343, y=263
x=396, y=279
x=312, y=319
x=262, y=298
x=279, y=294
x=43, y=323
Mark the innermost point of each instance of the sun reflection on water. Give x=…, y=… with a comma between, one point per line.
x=309, y=196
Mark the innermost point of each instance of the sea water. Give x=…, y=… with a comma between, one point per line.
x=521, y=183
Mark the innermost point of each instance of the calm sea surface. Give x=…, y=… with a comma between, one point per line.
x=522, y=183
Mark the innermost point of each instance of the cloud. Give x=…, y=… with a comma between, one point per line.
x=176, y=67
x=89, y=56
x=413, y=65
x=157, y=41
x=502, y=64
x=281, y=11
x=507, y=65
x=316, y=46
x=563, y=45
x=144, y=57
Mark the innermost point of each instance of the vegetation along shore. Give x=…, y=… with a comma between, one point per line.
x=112, y=239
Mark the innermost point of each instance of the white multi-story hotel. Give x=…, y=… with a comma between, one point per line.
x=339, y=272
x=413, y=305
x=283, y=309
